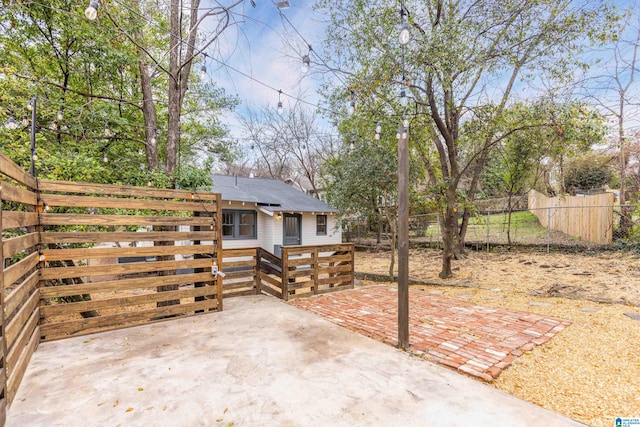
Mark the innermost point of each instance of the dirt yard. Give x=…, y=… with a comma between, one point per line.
x=590, y=371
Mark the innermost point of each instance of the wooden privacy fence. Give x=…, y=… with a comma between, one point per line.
x=19, y=277
x=103, y=242
x=302, y=271
x=589, y=218
x=77, y=258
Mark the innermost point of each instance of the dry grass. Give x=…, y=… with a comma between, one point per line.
x=590, y=371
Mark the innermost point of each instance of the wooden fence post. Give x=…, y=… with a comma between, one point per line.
x=258, y=271
x=3, y=346
x=314, y=256
x=285, y=273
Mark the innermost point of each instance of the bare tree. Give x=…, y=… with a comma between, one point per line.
x=288, y=146
x=615, y=91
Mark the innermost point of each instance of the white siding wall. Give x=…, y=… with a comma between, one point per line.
x=309, y=236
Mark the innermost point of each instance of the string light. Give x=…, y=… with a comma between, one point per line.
x=280, y=109
x=54, y=125
x=107, y=131
x=405, y=35
x=203, y=69
x=59, y=116
x=34, y=155
x=306, y=63
x=352, y=145
x=91, y=12
x=30, y=105
x=25, y=120
x=11, y=123
x=376, y=136
x=405, y=121
x=105, y=158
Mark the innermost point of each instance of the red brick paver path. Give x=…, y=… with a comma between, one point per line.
x=479, y=341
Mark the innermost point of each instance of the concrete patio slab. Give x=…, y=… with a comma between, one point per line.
x=261, y=362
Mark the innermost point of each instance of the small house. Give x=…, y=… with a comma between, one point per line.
x=267, y=213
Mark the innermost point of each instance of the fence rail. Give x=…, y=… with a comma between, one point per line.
x=302, y=271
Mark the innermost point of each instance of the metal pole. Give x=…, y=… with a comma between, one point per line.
x=33, y=137
x=403, y=237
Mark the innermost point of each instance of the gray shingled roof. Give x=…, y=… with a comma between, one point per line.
x=270, y=194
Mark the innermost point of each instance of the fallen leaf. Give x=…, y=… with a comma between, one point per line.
x=115, y=403
x=129, y=410
x=219, y=420
x=140, y=389
x=164, y=408
x=225, y=410
x=230, y=424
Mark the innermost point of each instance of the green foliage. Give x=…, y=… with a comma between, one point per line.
x=89, y=71
x=588, y=172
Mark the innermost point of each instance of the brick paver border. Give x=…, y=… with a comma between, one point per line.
x=477, y=340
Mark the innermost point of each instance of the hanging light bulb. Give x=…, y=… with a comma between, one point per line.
x=30, y=105
x=149, y=183
x=376, y=136
x=352, y=107
x=91, y=12
x=11, y=123
x=154, y=139
x=405, y=121
x=54, y=125
x=403, y=98
x=25, y=120
x=352, y=145
x=34, y=155
x=404, y=133
x=379, y=128
x=107, y=131
x=140, y=152
x=306, y=63
x=59, y=116
x=105, y=158
x=203, y=71
x=280, y=109
x=405, y=36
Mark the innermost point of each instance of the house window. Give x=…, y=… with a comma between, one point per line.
x=321, y=225
x=239, y=224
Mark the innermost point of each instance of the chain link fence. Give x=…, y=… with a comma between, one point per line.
x=543, y=229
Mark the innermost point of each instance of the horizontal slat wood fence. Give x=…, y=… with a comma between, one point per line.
x=302, y=271
x=589, y=218
x=102, y=243
x=19, y=278
x=80, y=258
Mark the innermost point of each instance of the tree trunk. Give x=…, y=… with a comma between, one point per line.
x=149, y=113
x=449, y=234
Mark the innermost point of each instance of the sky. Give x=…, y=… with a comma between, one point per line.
x=268, y=48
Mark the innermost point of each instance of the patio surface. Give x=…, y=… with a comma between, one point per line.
x=476, y=340
x=260, y=362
